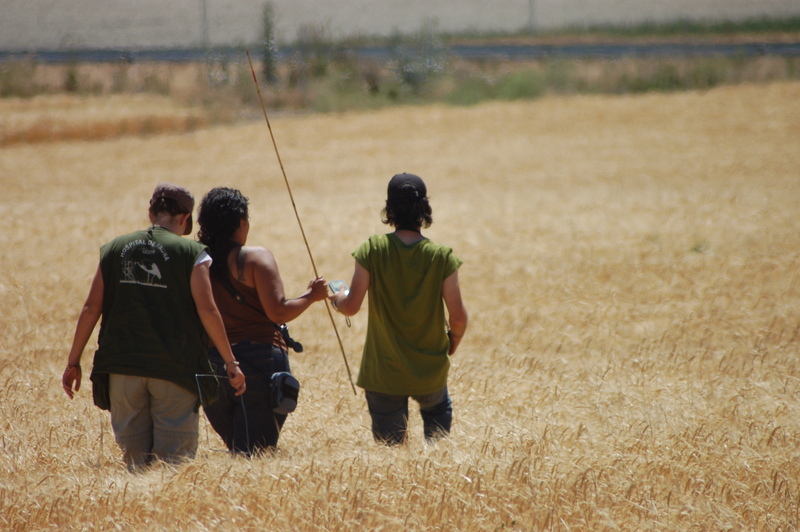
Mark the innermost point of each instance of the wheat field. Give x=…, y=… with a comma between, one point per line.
x=631, y=273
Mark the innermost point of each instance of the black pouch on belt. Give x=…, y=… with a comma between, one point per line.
x=285, y=391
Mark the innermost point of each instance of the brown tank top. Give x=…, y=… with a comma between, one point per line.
x=242, y=321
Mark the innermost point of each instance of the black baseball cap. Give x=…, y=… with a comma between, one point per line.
x=400, y=181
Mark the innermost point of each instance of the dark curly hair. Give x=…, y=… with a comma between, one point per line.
x=406, y=210
x=221, y=212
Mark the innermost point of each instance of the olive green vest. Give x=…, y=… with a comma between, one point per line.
x=150, y=326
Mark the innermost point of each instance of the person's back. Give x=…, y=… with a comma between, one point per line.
x=243, y=313
x=250, y=294
x=153, y=292
x=150, y=327
x=408, y=352
x=408, y=278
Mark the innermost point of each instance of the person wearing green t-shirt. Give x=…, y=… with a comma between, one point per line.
x=410, y=280
x=153, y=291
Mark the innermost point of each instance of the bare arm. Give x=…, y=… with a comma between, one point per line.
x=350, y=303
x=261, y=267
x=212, y=321
x=451, y=293
x=90, y=313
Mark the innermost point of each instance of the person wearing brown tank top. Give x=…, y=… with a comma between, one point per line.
x=250, y=295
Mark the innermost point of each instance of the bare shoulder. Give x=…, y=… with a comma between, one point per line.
x=258, y=256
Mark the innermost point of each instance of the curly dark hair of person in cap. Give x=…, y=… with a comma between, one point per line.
x=407, y=208
x=221, y=212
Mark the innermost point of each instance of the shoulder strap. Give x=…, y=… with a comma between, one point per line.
x=226, y=282
x=240, y=263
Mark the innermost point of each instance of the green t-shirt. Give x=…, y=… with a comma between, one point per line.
x=150, y=326
x=405, y=352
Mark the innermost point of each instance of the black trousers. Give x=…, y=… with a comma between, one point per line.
x=247, y=423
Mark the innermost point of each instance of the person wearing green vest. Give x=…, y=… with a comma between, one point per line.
x=410, y=281
x=153, y=291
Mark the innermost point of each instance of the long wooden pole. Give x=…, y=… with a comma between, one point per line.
x=291, y=197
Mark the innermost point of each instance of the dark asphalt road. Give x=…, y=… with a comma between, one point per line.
x=508, y=52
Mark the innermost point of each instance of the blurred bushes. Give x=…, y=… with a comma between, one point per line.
x=321, y=74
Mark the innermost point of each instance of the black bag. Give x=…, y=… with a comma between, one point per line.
x=285, y=391
x=100, y=390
